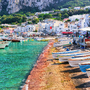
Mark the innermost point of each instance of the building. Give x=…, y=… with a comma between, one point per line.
x=64, y=9
x=87, y=7
x=77, y=8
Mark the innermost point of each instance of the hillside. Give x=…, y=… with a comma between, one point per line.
x=12, y=6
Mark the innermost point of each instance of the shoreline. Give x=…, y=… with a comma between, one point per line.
x=33, y=79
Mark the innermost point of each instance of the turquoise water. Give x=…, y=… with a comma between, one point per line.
x=16, y=61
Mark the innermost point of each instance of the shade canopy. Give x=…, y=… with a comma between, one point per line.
x=67, y=32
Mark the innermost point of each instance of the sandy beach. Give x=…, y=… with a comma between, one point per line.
x=50, y=74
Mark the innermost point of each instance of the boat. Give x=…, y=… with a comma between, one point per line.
x=7, y=43
x=56, y=54
x=63, y=43
x=66, y=57
x=88, y=72
x=84, y=66
x=15, y=40
x=2, y=44
x=6, y=39
x=76, y=61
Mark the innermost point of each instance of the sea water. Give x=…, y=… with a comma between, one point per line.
x=16, y=61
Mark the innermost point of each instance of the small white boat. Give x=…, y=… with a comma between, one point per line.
x=65, y=58
x=76, y=61
x=7, y=43
x=2, y=44
x=63, y=43
x=57, y=54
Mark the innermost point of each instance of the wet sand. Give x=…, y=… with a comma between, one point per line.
x=50, y=74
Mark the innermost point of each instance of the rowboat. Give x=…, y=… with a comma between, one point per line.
x=56, y=54
x=88, y=72
x=15, y=40
x=2, y=44
x=64, y=43
x=6, y=39
x=7, y=43
x=76, y=61
x=66, y=57
x=84, y=66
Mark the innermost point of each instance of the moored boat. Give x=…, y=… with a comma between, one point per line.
x=15, y=40
x=7, y=43
x=56, y=54
x=66, y=57
x=6, y=39
x=77, y=54
x=88, y=72
x=2, y=44
x=63, y=43
x=84, y=66
x=76, y=61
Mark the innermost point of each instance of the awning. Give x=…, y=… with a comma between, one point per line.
x=67, y=32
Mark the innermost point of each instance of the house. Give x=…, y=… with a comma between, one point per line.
x=77, y=8
x=64, y=9
x=28, y=28
x=87, y=7
x=84, y=21
x=72, y=27
x=74, y=17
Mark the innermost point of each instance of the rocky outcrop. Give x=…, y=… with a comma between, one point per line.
x=15, y=5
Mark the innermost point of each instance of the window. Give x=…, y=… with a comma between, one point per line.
x=38, y=0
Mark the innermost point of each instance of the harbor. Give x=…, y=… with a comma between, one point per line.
x=50, y=73
x=45, y=59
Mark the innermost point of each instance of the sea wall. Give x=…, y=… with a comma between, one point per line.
x=34, y=79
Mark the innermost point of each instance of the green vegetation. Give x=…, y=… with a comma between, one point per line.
x=35, y=21
x=15, y=18
x=67, y=4
x=65, y=14
x=44, y=16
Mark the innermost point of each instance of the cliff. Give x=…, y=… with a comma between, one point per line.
x=12, y=6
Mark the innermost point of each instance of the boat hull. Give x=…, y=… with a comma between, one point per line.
x=76, y=63
x=14, y=40
x=57, y=54
x=88, y=73
x=6, y=40
x=84, y=67
x=2, y=46
x=63, y=59
x=7, y=43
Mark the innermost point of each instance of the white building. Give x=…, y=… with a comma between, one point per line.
x=74, y=17
x=28, y=28
x=64, y=9
x=84, y=21
x=77, y=8
x=72, y=27
x=87, y=7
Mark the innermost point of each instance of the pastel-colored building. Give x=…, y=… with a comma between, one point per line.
x=77, y=8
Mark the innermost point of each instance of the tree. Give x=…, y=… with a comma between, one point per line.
x=35, y=21
x=47, y=16
x=29, y=22
x=24, y=19
x=76, y=19
x=65, y=15
x=59, y=15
